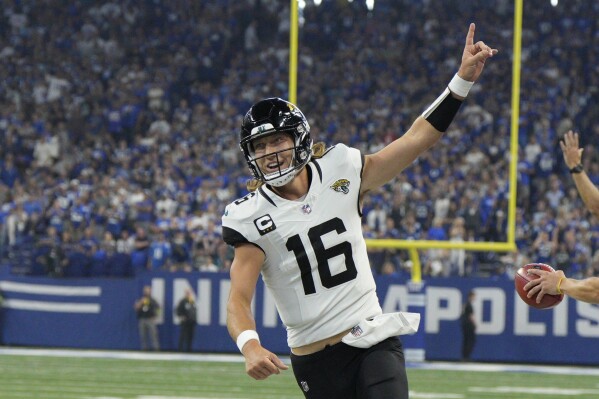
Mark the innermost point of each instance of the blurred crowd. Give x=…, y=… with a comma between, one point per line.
x=119, y=126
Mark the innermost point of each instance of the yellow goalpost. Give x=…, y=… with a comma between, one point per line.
x=414, y=245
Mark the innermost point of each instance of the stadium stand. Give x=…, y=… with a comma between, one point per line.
x=119, y=126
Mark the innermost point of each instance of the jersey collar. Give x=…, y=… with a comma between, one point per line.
x=269, y=195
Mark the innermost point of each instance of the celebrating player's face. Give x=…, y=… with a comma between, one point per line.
x=273, y=153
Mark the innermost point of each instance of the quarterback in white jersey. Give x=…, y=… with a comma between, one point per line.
x=316, y=265
x=300, y=227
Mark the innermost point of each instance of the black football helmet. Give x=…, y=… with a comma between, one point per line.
x=270, y=116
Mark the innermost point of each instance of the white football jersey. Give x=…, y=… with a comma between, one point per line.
x=316, y=264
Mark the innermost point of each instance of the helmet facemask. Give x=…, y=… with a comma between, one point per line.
x=269, y=117
x=300, y=156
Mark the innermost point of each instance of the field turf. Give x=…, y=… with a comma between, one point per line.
x=81, y=376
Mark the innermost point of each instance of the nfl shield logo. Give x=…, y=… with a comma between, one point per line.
x=306, y=209
x=356, y=331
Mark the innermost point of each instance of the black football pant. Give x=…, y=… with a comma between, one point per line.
x=341, y=371
x=469, y=340
x=186, y=336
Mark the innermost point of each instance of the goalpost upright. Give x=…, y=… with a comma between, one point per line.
x=414, y=245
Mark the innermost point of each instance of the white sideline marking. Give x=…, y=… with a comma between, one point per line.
x=514, y=368
x=537, y=390
x=238, y=358
x=484, y=367
x=413, y=394
x=423, y=395
x=152, y=397
x=173, y=397
x=131, y=355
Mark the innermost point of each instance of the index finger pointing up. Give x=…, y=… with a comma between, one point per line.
x=470, y=35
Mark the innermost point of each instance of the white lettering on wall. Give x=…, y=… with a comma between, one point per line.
x=396, y=299
x=496, y=322
x=225, y=287
x=441, y=304
x=589, y=326
x=522, y=323
x=560, y=319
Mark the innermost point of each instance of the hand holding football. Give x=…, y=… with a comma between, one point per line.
x=522, y=277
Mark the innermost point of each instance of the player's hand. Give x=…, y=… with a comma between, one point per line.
x=571, y=150
x=545, y=284
x=261, y=363
x=474, y=57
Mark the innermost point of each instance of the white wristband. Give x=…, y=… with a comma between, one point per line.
x=459, y=86
x=246, y=336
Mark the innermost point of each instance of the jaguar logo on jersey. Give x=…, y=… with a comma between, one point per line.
x=341, y=186
x=264, y=224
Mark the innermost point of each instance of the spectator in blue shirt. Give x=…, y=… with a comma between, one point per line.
x=160, y=252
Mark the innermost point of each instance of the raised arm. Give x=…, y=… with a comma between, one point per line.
x=245, y=270
x=426, y=130
x=573, y=158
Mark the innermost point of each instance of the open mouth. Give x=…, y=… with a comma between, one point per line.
x=274, y=166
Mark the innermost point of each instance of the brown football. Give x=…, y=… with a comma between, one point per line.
x=522, y=277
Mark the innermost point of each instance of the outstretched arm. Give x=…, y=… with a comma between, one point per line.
x=573, y=158
x=554, y=283
x=426, y=130
x=245, y=270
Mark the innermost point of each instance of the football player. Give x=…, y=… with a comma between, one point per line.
x=300, y=227
x=554, y=283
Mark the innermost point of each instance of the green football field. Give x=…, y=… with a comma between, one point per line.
x=83, y=375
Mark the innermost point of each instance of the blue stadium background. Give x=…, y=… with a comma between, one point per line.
x=119, y=121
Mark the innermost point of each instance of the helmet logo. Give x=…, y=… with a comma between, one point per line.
x=262, y=128
x=341, y=186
